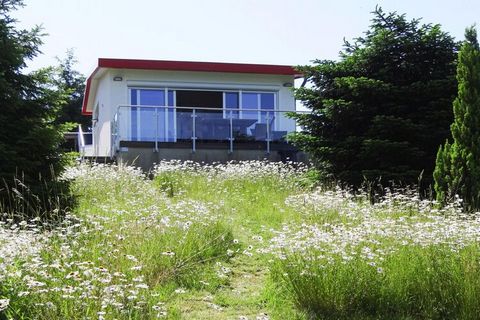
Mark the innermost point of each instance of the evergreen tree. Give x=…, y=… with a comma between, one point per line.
x=29, y=139
x=457, y=168
x=383, y=109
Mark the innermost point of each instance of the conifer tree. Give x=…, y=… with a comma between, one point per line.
x=457, y=168
x=385, y=107
x=29, y=136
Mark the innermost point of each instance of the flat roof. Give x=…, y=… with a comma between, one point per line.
x=108, y=63
x=196, y=66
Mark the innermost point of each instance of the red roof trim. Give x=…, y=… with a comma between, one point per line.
x=87, y=93
x=196, y=66
x=185, y=66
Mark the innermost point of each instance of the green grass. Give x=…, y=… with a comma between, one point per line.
x=414, y=283
x=247, y=240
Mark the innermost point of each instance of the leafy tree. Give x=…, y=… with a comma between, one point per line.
x=68, y=80
x=457, y=168
x=383, y=109
x=29, y=138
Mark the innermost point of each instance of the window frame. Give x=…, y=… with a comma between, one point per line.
x=225, y=109
x=167, y=109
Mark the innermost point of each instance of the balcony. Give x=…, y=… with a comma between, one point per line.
x=201, y=128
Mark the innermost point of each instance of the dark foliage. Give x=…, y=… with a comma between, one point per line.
x=29, y=137
x=457, y=168
x=383, y=109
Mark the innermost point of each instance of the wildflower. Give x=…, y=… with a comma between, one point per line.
x=33, y=283
x=247, y=253
x=214, y=306
x=258, y=238
x=73, y=274
x=141, y=286
x=225, y=270
x=161, y=314
x=102, y=269
x=4, y=303
x=130, y=257
x=106, y=279
x=208, y=297
x=88, y=273
x=180, y=291
x=50, y=305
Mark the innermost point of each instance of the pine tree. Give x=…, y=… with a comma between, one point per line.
x=458, y=165
x=383, y=109
x=29, y=137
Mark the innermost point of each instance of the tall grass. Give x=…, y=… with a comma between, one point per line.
x=47, y=199
x=414, y=283
x=250, y=194
x=402, y=258
x=240, y=240
x=121, y=255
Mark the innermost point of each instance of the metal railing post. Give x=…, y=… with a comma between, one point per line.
x=267, y=118
x=117, y=140
x=113, y=130
x=156, y=129
x=194, y=133
x=231, y=132
x=81, y=142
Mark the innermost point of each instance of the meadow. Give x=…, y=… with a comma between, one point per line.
x=249, y=240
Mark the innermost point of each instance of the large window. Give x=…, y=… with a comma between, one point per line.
x=252, y=112
x=149, y=123
x=231, y=101
x=264, y=105
x=254, y=105
x=210, y=100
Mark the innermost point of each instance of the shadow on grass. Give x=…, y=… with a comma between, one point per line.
x=46, y=201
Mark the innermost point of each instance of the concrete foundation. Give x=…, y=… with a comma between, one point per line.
x=146, y=157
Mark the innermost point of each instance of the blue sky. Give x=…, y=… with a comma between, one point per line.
x=291, y=32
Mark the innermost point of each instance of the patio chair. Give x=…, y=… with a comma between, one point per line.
x=278, y=135
x=260, y=132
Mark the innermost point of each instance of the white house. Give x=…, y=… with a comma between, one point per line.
x=154, y=109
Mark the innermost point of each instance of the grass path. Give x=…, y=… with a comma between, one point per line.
x=241, y=298
x=251, y=208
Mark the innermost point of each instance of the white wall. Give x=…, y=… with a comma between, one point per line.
x=110, y=94
x=101, y=129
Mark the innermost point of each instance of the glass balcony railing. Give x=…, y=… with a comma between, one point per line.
x=161, y=124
